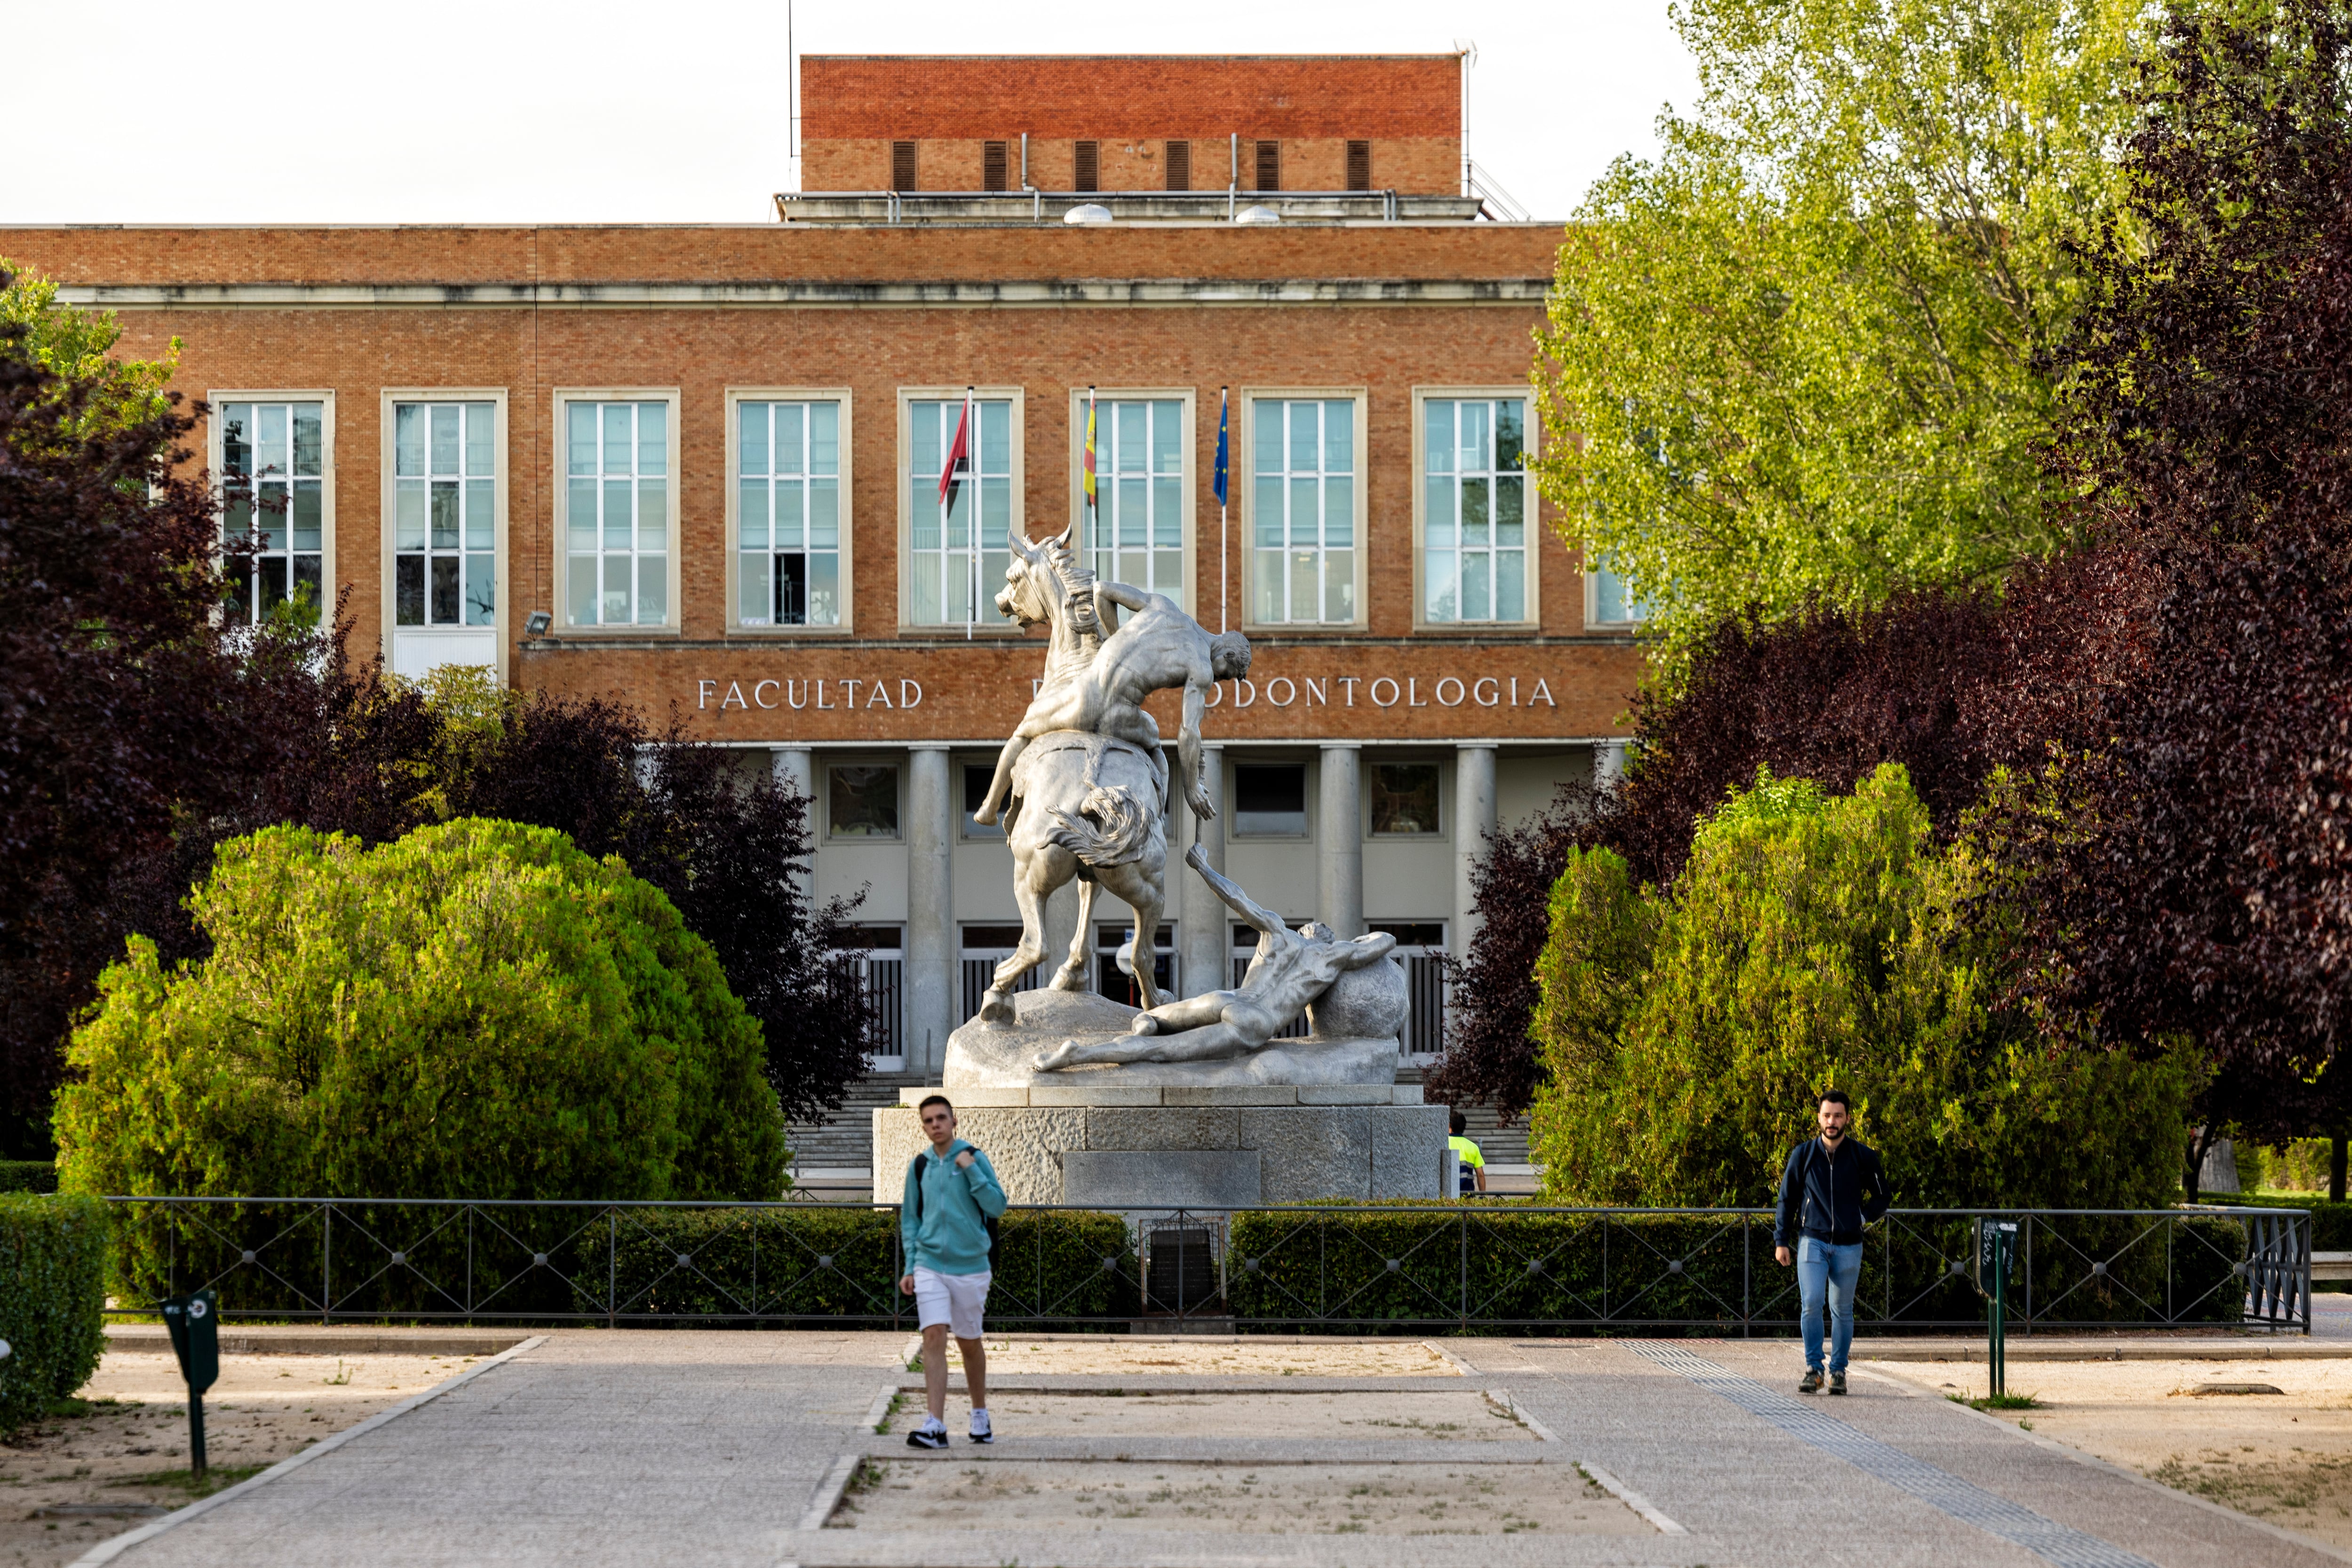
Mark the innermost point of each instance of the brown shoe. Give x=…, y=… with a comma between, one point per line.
x=1812, y=1384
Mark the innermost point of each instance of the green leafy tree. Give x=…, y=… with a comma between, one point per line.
x=76, y=347
x=476, y=1010
x=1815, y=939
x=1802, y=356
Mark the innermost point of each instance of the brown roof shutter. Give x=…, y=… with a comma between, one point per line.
x=991, y=166
x=1088, y=167
x=902, y=166
x=1269, y=165
x=1359, y=165
x=1180, y=165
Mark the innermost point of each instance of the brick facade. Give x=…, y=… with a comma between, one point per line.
x=1372, y=315
x=1409, y=107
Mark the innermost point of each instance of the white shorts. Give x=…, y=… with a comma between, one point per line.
x=955, y=1299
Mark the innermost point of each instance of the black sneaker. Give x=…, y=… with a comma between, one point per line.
x=928, y=1438
x=1812, y=1384
x=1837, y=1383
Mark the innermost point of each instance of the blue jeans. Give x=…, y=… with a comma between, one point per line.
x=1825, y=1267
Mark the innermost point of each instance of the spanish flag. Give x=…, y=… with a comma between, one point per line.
x=1088, y=483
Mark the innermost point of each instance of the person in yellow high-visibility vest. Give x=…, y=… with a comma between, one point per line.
x=1474, y=1164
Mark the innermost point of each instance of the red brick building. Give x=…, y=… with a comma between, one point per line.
x=709, y=458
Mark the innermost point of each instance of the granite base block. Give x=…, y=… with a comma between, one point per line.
x=1298, y=1152
x=1160, y=1178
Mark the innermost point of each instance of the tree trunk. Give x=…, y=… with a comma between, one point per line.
x=2335, y=1147
x=2200, y=1144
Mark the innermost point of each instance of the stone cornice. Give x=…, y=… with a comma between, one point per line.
x=798, y=294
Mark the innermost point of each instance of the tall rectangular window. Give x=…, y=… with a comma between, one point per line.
x=1139, y=527
x=617, y=513
x=991, y=166
x=902, y=166
x=273, y=459
x=444, y=514
x=1303, y=511
x=1613, y=599
x=788, y=514
x=1269, y=165
x=1359, y=165
x=1180, y=165
x=1087, y=170
x=956, y=552
x=1473, y=564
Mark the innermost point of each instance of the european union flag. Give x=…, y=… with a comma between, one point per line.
x=1221, y=447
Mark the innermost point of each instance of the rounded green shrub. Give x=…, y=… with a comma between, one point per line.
x=476, y=1010
x=1813, y=941
x=52, y=1300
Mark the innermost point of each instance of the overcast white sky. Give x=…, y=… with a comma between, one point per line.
x=673, y=111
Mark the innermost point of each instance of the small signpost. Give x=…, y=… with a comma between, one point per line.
x=195, y=1323
x=1996, y=1255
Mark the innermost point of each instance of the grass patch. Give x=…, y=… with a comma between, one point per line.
x=216, y=1478
x=79, y=1410
x=1998, y=1402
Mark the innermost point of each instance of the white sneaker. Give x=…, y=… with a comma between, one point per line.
x=980, y=1430
x=931, y=1434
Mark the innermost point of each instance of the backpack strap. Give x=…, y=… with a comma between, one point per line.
x=915, y=1171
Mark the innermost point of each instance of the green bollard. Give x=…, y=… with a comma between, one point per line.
x=195, y=1323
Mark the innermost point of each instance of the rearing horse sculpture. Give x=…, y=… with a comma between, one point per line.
x=1088, y=784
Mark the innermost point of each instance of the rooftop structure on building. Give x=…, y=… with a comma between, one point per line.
x=1135, y=137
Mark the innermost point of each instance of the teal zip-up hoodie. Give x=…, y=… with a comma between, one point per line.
x=957, y=1205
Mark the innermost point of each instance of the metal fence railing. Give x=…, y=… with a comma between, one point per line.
x=1334, y=1266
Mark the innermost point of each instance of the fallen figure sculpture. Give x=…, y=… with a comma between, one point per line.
x=1289, y=970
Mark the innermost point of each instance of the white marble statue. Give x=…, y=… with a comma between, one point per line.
x=1082, y=783
x=1288, y=970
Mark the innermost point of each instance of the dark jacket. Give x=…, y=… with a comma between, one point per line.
x=1830, y=1199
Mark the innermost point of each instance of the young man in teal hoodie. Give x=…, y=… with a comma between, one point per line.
x=951, y=1195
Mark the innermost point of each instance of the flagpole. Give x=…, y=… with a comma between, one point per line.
x=1223, y=484
x=971, y=572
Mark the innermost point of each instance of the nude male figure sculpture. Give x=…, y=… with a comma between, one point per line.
x=1288, y=970
x=1156, y=645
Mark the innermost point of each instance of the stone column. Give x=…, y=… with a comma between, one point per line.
x=1474, y=819
x=929, y=992
x=1339, y=843
x=1607, y=763
x=1208, y=942
x=796, y=765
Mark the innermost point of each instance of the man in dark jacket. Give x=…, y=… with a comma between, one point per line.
x=1830, y=1187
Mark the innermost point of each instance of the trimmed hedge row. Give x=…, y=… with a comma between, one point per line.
x=29, y=1176
x=689, y=1264
x=52, y=1300
x=1480, y=1264
x=2331, y=1223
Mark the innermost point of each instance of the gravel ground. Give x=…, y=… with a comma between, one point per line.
x=2285, y=1458
x=1442, y=1415
x=1204, y=1357
x=123, y=1458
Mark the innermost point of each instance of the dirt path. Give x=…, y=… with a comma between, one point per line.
x=1205, y=1358
x=123, y=1457
x=2285, y=1458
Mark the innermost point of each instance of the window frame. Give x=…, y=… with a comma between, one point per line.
x=1310, y=784
x=1245, y=475
x=1593, y=621
x=1444, y=798
x=1531, y=434
x=736, y=627
x=216, y=460
x=1188, y=503
x=502, y=620
x=560, y=507
x=986, y=622
x=896, y=761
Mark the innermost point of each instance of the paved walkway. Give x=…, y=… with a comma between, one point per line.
x=644, y=1449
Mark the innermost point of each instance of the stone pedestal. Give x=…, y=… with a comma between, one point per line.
x=1140, y=1146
